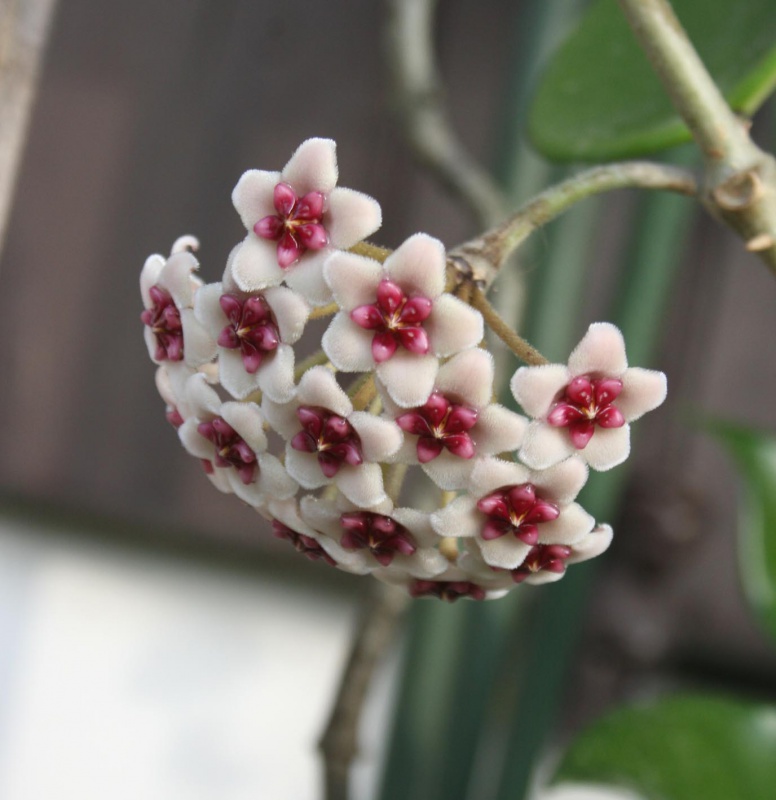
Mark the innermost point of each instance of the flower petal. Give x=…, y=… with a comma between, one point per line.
x=408, y=378
x=380, y=438
x=321, y=515
x=233, y=375
x=305, y=469
x=255, y=265
x=273, y=480
x=498, y=430
x=306, y=277
x=247, y=420
x=196, y=444
x=601, y=352
x=208, y=311
x=353, y=279
x=536, y=388
x=468, y=377
x=506, y=552
x=348, y=346
x=149, y=276
x=362, y=485
x=352, y=216
x=319, y=387
x=176, y=276
x=562, y=482
x=290, y=310
x=276, y=374
x=592, y=545
x=198, y=346
x=642, y=391
x=418, y=266
x=572, y=525
x=313, y=167
x=252, y=196
x=608, y=448
x=201, y=398
x=449, y=472
x=490, y=474
x=459, y=518
x=453, y=326
x=544, y=446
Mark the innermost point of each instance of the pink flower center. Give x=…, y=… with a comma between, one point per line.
x=164, y=320
x=231, y=449
x=330, y=436
x=517, y=510
x=396, y=319
x=381, y=535
x=440, y=424
x=585, y=403
x=449, y=591
x=548, y=557
x=305, y=545
x=252, y=328
x=296, y=227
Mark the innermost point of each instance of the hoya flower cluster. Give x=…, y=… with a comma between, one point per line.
x=403, y=388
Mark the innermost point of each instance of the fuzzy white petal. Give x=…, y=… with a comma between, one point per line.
x=247, y=420
x=273, y=479
x=149, y=276
x=490, y=474
x=276, y=374
x=449, y=471
x=201, y=398
x=468, y=377
x=348, y=346
x=255, y=264
x=600, y=353
x=592, y=545
x=198, y=346
x=362, y=485
x=305, y=469
x=453, y=326
x=176, y=277
x=536, y=388
x=460, y=518
x=572, y=525
x=408, y=378
x=253, y=196
x=543, y=576
x=562, y=482
x=608, y=448
x=352, y=216
x=234, y=377
x=380, y=438
x=290, y=310
x=544, y=445
x=312, y=167
x=306, y=277
x=498, y=430
x=281, y=417
x=353, y=279
x=196, y=444
x=418, y=266
x=418, y=523
x=506, y=552
x=208, y=311
x=321, y=515
x=319, y=387
x=150, y=340
x=642, y=390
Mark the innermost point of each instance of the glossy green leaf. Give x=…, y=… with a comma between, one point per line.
x=681, y=748
x=755, y=456
x=599, y=98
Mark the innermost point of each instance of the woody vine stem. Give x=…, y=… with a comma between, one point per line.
x=737, y=186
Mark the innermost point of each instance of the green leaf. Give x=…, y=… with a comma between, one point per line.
x=755, y=455
x=599, y=98
x=681, y=748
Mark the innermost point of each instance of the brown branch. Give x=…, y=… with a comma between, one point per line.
x=374, y=635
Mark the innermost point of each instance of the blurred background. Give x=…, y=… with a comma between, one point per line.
x=156, y=641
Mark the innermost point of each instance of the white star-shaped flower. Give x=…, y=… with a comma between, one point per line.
x=295, y=219
x=231, y=437
x=397, y=319
x=458, y=423
x=510, y=508
x=328, y=442
x=584, y=408
x=255, y=332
